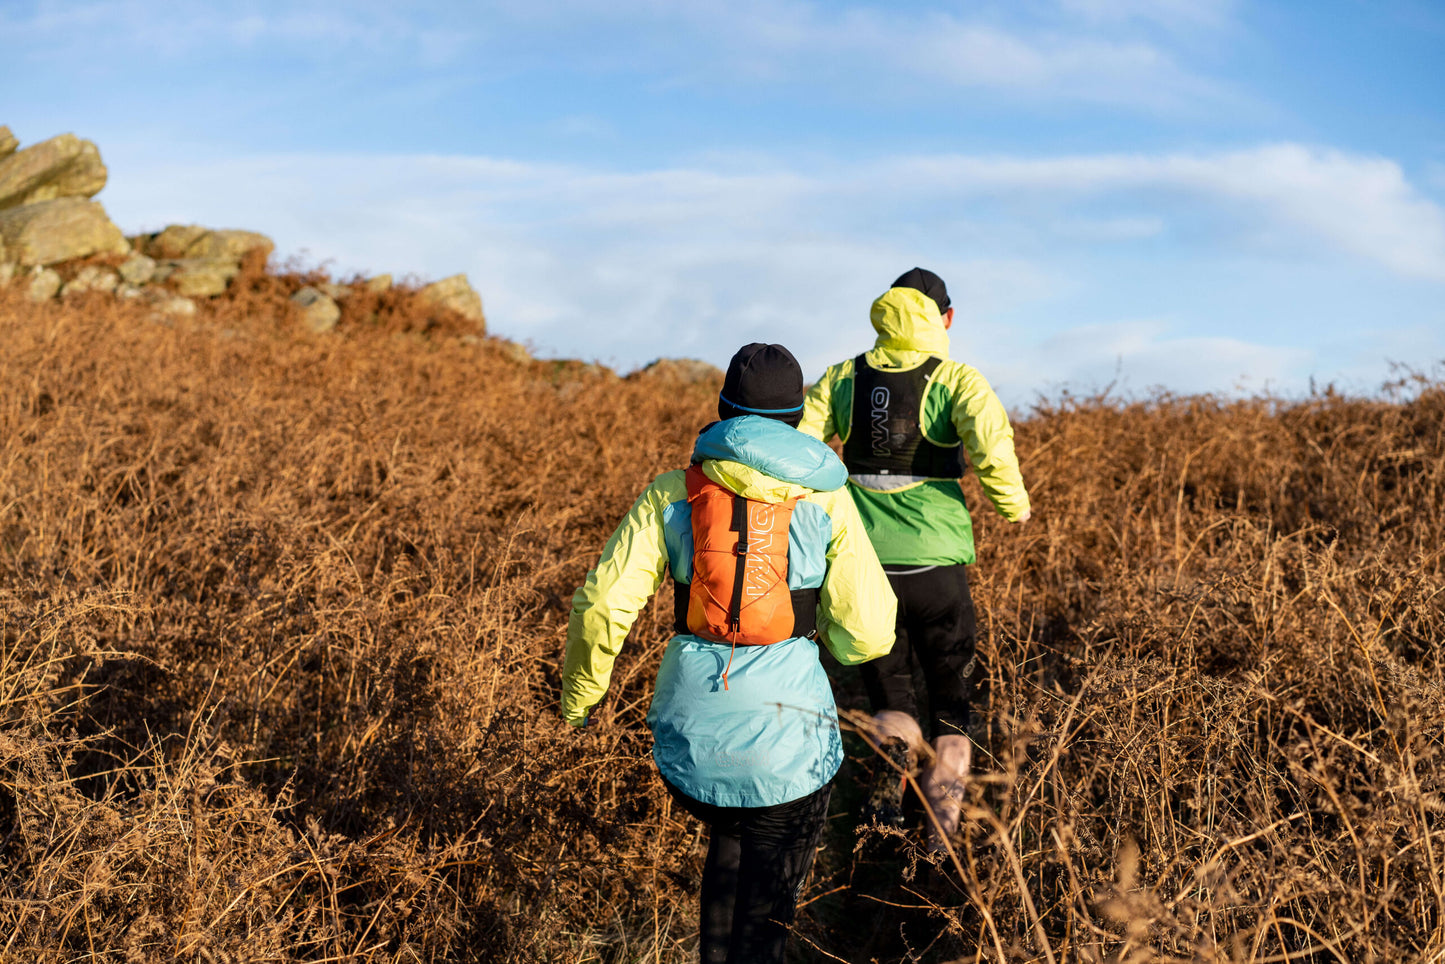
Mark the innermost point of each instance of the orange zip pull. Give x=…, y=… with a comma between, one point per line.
x=729, y=666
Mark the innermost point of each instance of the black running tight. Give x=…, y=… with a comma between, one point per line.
x=757, y=861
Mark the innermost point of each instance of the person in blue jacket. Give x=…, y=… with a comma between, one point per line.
x=745, y=736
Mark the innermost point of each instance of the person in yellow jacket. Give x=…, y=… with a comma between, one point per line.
x=908, y=416
x=745, y=734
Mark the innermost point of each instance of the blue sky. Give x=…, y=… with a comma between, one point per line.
x=1203, y=195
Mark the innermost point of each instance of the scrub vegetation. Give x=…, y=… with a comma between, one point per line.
x=281, y=621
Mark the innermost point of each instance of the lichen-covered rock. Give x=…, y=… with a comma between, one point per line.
x=138, y=269
x=380, y=283
x=194, y=241
x=456, y=293
x=44, y=283
x=59, y=230
x=92, y=277
x=62, y=167
x=201, y=277
x=8, y=143
x=318, y=312
x=334, y=291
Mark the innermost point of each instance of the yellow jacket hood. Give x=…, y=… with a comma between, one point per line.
x=751, y=483
x=908, y=320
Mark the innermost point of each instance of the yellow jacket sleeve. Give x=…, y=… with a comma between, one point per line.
x=982, y=424
x=818, y=407
x=856, y=606
x=606, y=605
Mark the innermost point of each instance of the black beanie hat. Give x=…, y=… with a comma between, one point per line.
x=921, y=279
x=763, y=380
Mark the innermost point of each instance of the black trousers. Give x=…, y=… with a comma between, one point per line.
x=937, y=628
x=757, y=861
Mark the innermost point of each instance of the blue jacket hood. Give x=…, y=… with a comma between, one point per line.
x=774, y=448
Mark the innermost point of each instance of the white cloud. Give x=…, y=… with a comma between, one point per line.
x=1134, y=357
x=1174, y=14
x=1109, y=229
x=628, y=266
x=1063, y=66
x=123, y=29
x=1363, y=205
x=858, y=50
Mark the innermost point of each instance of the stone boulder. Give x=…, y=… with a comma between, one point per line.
x=92, y=277
x=44, y=283
x=230, y=243
x=683, y=371
x=198, y=277
x=172, y=242
x=170, y=306
x=193, y=241
x=7, y=272
x=8, y=143
x=456, y=293
x=49, y=231
x=137, y=269
x=377, y=285
x=63, y=166
x=514, y=352
x=318, y=312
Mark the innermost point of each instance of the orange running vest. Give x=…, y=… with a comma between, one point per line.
x=739, y=592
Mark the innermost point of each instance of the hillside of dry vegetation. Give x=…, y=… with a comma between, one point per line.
x=281, y=619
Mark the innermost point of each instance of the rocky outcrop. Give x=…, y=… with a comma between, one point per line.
x=45, y=214
x=59, y=230
x=63, y=166
x=456, y=294
x=47, y=218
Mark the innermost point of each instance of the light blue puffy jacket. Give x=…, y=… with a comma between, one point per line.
x=771, y=736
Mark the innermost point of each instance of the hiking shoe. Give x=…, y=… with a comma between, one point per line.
x=885, y=800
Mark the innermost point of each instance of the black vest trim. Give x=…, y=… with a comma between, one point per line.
x=884, y=436
x=805, y=609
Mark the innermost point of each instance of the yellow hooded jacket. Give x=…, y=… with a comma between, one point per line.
x=925, y=523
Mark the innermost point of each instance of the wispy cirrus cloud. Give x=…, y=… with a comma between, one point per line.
x=1173, y=14
x=115, y=31
x=852, y=50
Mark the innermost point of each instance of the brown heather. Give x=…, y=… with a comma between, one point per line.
x=281, y=621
